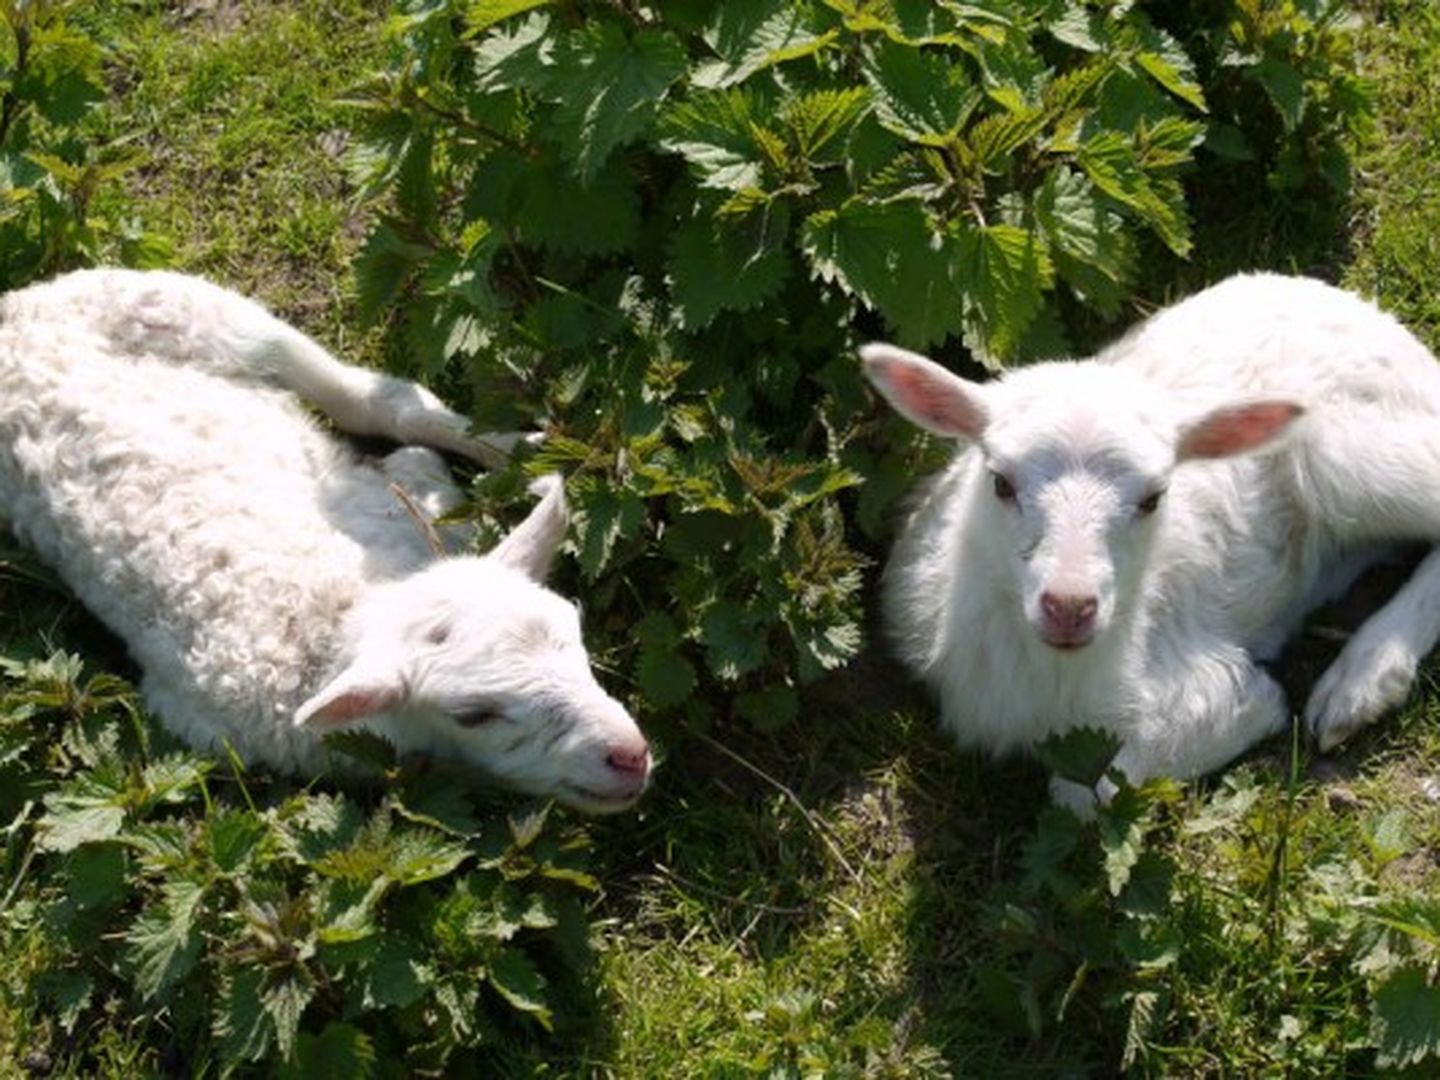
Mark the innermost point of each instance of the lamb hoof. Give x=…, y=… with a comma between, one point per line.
x=1357, y=689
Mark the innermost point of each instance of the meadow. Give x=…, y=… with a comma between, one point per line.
x=817, y=884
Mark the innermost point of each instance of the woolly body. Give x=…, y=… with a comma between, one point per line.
x=208, y=521
x=1220, y=575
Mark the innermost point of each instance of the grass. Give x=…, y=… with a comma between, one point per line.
x=852, y=896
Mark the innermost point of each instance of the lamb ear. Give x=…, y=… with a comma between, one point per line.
x=531, y=545
x=363, y=689
x=924, y=392
x=1236, y=429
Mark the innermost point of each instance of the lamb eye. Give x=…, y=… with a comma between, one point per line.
x=1149, y=504
x=474, y=718
x=438, y=635
x=1004, y=490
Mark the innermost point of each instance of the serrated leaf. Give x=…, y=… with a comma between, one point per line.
x=516, y=979
x=600, y=516
x=1082, y=755
x=608, y=87
x=890, y=258
x=480, y=15
x=1138, y=1026
x=1162, y=58
x=924, y=97
x=817, y=120
x=365, y=747
x=72, y=820
x=340, y=1052
x=734, y=641
x=241, y=1025
x=233, y=837
x=418, y=855
x=769, y=709
x=68, y=992
x=556, y=211
x=164, y=942
x=1285, y=88
x=384, y=265
x=1003, y=270
x=1122, y=836
x=284, y=997
x=751, y=35
x=715, y=133
x=396, y=975
x=97, y=874
x=517, y=57
x=729, y=266
x=1083, y=231
x=666, y=678
x=1405, y=1020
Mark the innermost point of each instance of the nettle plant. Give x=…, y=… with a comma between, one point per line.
x=1153, y=915
x=53, y=160
x=658, y=230
x=249, y=920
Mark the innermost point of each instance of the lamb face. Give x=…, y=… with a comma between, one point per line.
x=1076, y=459
x=473, y=656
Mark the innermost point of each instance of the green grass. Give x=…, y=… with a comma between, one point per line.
x=851, y=896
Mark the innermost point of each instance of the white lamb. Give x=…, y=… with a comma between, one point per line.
x=1121, y=540
x=270, y=582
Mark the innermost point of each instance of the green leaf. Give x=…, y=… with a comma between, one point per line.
x=284, y=997
x=1122, y=835
x=608, y=87
x=734, y=640
x=340, y=1052
x=69, y=993
x=727, y=266
x=397, y=974
x=1093, y=251
x=418, y=855
x=556, y=211
x=890, y=258
x=480, y=15
x=716, y=134
x=1285, y=88
x=1082, y=755
x=74, y=819
x=233, y=836
x=924, y=97
x=666, y=678
x=1004, y=270
x=97, y=874
x=1111, y=161
x=384, y=265
x=817, y=120
x=769, y=709
x=601, y=516
x=518, y=57
x=1162, y=58
x=1405, y=1019
x=516, y=979
x=367, y=748
x=751, y=35
x=164, y=943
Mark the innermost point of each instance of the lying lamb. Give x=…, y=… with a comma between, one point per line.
x=271, y=583
x=1123, y=539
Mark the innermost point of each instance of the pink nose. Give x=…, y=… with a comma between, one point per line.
x=630, y=760
x=1069, y=617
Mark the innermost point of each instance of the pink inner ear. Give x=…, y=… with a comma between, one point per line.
x=927, y=400
x=355, y=703
x=1237, y=430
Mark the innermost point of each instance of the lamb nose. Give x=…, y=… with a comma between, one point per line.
x=632, y=761
x=1070, y=610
